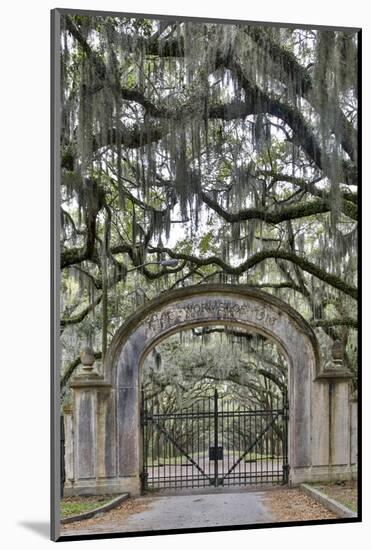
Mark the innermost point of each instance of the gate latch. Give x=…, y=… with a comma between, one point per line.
x=216, y=453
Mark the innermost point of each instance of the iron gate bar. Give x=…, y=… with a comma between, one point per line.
x=169, y=437
x=285, y=466
x=183, y=452
x=249, y=449
x=221, y=414
x=216, y=437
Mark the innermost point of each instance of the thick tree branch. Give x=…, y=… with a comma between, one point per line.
x=325, y=323
x=65, y=322
x=308, y=186
x=303, y=84
x=292, y=212
x=259, y=257
x=256, y=102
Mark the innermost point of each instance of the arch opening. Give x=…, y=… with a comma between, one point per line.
x=214, y=387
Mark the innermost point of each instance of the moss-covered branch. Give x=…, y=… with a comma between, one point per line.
x=326, y=323
x=280, y=214
x=65, y=322
x=259, y=257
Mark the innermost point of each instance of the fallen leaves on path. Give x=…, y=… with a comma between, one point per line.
x=344, y=492
x=104, y=522
x=294, y=505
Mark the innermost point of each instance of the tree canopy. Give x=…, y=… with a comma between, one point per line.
x=231, y=148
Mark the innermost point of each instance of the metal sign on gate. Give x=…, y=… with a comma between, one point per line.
x=214, y=441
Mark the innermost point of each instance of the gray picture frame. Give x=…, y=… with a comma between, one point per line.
x=55, y=400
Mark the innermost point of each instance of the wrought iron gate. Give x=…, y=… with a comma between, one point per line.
x=215, y=441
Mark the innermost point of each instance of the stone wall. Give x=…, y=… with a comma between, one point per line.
x=106, y=420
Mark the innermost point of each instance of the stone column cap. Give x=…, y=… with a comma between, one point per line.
x=333, y=373
x=89, y=380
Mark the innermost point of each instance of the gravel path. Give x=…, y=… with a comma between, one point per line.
x=203, y=510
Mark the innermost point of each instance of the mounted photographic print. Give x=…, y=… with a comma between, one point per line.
x=205, y=259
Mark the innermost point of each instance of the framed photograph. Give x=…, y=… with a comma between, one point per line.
x=205, y=192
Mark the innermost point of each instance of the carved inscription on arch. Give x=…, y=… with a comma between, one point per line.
x=211, y=310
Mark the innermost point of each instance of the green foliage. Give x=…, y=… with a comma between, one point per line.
x=205, y=241
x=169, y=129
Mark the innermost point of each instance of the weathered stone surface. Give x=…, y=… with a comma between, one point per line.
x=340, y=428
x=105, y=449
x=128, y=433
x=353, y=431
x=85, y=440
x=110, y=447
x=320, y=426
x=69, y=442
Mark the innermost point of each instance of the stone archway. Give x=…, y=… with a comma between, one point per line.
x=103, y=428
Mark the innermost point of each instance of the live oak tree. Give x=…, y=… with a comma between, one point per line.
x=183, y=371
x=188, y=365
x=230, y=148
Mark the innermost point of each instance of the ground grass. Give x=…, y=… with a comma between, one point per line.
x=71, y=506
x=110, y=521
x=344, y=492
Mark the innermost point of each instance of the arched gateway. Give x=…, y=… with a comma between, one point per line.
x=103, y=451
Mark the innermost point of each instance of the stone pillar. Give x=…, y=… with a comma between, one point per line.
x=332, y=421
x=354, y=431
x=68, y=446
x=92, y=459
x=339, y=422
x=320, y=424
